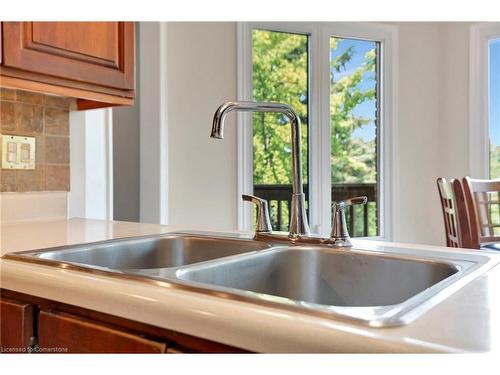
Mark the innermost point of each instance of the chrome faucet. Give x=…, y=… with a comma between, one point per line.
x=298, y=219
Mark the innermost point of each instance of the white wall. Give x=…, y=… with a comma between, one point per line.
x=418, y=132
x=91, y=153
x=454, y=115
x=77, y=195
x=202, y=171
x=433, y=122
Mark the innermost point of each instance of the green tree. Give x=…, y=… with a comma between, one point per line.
x=494, y=161
x=279, y=75
x=495, y=173
x=352, y=159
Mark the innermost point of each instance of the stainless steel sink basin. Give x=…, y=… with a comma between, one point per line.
x=377, y=285
x=377, y=288
x=325, y=277
x=150, y=252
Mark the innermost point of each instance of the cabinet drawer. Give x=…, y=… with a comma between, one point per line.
x=79, y=335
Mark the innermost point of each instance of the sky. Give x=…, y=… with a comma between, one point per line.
x=366, y=109
x=495, y=92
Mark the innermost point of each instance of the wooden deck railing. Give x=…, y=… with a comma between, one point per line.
x=279, y=197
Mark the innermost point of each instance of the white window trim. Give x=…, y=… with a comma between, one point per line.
x=319, y=136
x=480, y=35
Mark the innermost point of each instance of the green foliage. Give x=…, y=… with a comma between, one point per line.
x=494, y=174
x=352, y=159
x=279, y=75
x=494, y=161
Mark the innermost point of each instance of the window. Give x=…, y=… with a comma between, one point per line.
x=484, y=106
x=494, y=107
x=339, y=77
x=279, y=74
x=494, y=124
x=354, y=127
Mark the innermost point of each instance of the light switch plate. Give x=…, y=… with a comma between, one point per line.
x=18, y=152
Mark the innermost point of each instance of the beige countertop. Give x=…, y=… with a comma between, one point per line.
x=467, y=321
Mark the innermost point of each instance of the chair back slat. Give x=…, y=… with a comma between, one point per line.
x=454, y=213
x=483, y=206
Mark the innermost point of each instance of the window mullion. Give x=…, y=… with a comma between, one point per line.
x=320, y=132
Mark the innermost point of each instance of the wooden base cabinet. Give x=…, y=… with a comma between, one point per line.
x=36, y=325
x=16, y=326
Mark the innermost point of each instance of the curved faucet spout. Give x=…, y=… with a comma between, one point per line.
x=298, y=218
x=242, y=106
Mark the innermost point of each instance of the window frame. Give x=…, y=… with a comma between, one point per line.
x=481, y=34
x=319, y=113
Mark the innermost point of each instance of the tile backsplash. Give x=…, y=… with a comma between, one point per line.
x=46, y=118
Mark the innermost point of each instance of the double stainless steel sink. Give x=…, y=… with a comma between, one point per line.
x=376, y=285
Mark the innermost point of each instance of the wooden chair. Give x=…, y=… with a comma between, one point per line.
x=483, y=206
x=455, y=217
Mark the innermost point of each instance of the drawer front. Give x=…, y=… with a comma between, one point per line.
x=61, y=332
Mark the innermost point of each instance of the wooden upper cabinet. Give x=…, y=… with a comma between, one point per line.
x=97, y=58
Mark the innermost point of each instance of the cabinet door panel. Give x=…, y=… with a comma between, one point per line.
x=100, y=53
x=79, y=335
x=16, y=324
x=98, y=42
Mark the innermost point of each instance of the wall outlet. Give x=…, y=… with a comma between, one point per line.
x=18, y=152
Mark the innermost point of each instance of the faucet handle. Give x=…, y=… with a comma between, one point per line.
x=263, y=221
x=340, y=234
x=350, y=202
